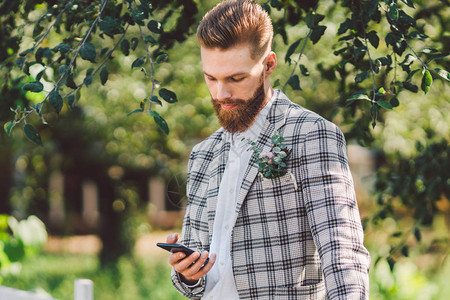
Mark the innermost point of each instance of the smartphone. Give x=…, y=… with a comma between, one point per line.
x=178, y=248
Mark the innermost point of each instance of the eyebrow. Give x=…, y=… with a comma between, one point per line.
x=228, y=77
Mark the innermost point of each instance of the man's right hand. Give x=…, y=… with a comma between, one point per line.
x=190, y=272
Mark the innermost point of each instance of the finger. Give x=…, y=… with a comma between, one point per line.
x=182, y=265
x=195, y=268
x=203, y=270
x=172, y=238
x=175, y=258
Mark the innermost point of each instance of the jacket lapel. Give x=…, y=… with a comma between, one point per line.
x=275, y=120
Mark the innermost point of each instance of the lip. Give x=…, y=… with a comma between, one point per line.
x=228, y=106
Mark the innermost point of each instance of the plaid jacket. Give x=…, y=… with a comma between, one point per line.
x=287, y=243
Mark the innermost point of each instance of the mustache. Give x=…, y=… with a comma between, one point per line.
x=230, y=101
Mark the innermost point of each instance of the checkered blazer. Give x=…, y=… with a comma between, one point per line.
x=287, y=243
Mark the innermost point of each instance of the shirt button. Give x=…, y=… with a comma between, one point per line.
x=227, y=227
x=231, y=191
x=222, y=263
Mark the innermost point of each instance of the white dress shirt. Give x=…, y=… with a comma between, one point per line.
x=220, y=280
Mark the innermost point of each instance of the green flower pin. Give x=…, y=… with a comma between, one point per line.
x=272, y=164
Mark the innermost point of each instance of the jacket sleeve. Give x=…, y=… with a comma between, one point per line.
x=333, y=214
x=196, y=291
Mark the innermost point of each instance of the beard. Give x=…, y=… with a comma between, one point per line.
x=241, y=117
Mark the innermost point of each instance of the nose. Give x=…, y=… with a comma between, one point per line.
x=222, y=92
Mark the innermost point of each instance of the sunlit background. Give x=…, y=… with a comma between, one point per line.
x=108, y=187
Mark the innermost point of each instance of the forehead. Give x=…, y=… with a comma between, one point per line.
x=219, y=62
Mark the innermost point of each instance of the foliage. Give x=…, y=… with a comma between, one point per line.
x=336, y=52
x=129, y=278
x=87, y=32
x=19, y=240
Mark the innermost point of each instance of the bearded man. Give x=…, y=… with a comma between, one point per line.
x=281, y=224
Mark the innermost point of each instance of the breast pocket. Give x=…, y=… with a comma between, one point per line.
x=286, y=181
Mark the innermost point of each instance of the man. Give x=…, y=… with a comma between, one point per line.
x=296, y=236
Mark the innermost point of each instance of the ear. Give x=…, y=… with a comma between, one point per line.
x=270, y=63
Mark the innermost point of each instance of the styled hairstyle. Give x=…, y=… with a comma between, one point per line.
x=234, y=22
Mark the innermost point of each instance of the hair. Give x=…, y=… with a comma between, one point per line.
x=234, y=22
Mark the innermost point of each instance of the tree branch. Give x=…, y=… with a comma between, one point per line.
x=151, y=68
x=41, y=39
x=298, y=60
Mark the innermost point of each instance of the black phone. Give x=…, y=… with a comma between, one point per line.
x=178, y=248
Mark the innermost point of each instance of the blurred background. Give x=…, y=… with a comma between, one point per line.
x=93, y=200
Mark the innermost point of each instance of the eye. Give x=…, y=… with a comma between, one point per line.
x=237, y=79
x=210, y=78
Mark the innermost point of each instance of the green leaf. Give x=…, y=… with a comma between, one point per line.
x=34, y=87
x=162, y=58
x=155, y=99
x=103, y=51
x=394, y=102
x=71, y=101
x=385, y=61
x=32, y=134
x=168, y=96
x=410, y=87
x=125, y=47
x=276, y=83
x=110, y=26
x=427, y=80
x=443, y=74
x=139, y=110
x=134, y=43
x=291, y=50
x=63, y=48
x=162, y=124
x=417, y=234
x=155, y=26
x=417, y=35
x=87, y=52
x=393, y=11
x=409, y=3
x=304, y=70
x=439, y=56
x=428, y=50
x=411, y=74
x=63, y=69
x=373, y=39
x=139, y=62
x=312, y=19
x=409, y=59
x=87, y=80
x=384, y=104
x=104, y=75
x=294, y=82
x=361, y=76
x=317, y=33
x=69, y=82
x=9, y=126
x=373, y=114
x=39, y=75
x=150, y=39
x=360, y=95
x=55, y=100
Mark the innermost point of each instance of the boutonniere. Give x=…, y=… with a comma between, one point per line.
x=272, y=164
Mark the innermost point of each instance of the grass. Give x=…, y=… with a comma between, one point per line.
x=129, y=279
x=136, y=278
